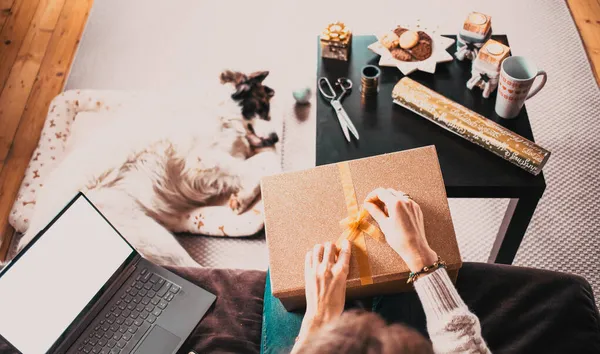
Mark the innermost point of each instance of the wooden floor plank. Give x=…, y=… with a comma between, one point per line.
x=50, y=82
x=25, y=70
x=13, y=33
x=586, y=14
x=5, y=11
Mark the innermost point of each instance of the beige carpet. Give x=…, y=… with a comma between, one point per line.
x=173, y=44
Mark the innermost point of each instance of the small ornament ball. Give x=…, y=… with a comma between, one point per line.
x=302, y=96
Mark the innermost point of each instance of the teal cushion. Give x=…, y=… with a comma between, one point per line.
x=279, y=327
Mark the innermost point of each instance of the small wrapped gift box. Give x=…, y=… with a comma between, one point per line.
x=476, y=27
x=485, y=70
x=492, y=54
x=335, y=41
x=468, y=50
x=325, y=204
x=476, y=30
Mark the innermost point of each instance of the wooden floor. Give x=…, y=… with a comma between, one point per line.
x=586, y=14
x=38, y=40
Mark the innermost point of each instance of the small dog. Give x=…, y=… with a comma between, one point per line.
x=145, y=173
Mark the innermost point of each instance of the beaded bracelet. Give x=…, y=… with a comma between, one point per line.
x=412, y=277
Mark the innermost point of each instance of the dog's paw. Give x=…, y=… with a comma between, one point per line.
x=234, y=203
x=237, y=204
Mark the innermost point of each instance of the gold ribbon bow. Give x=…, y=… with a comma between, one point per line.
x=356, y=225
x=336, y=31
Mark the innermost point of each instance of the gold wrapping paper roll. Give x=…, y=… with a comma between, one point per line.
x=470, y=125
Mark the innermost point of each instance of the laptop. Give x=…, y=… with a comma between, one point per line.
x=80, y=287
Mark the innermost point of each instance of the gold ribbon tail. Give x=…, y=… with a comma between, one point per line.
x=356, y=225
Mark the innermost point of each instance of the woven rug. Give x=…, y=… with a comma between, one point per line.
x=129, y=45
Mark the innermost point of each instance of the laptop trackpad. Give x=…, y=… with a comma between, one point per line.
x=159, y=341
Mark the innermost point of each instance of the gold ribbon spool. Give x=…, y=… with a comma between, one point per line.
x=336, y=31
x=369, y=81
x=356, y=225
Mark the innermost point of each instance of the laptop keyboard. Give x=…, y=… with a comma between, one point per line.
x=121, y=325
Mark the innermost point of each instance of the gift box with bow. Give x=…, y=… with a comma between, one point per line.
x=325, y=204
x=335, y=41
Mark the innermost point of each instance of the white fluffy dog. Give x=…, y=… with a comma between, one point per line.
x=144, y=173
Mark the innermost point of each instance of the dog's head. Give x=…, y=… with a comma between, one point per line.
x=254, y=100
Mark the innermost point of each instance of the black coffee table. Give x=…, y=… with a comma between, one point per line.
x=469, y=171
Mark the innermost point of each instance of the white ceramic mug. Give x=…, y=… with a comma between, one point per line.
x=516, y=78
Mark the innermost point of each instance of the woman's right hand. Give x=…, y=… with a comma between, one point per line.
x=401, y=221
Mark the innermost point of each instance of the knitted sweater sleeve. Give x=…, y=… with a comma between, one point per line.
x=451, y=326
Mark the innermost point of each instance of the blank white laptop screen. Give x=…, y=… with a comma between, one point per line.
x=52, y=282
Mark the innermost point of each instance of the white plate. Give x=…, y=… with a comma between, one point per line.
x=438, y=55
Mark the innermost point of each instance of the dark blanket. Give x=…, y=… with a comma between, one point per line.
x=233, y=324
x=521, y=310
x=525, y=310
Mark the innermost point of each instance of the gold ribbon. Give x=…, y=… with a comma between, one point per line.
x=356, y=225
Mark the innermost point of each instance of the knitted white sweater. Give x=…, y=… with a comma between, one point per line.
x=451, y=326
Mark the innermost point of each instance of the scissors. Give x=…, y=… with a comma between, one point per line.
x=336, y=103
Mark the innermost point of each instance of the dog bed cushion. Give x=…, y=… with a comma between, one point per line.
x=75, y=114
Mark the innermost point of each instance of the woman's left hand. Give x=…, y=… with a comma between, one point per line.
x=325, y=274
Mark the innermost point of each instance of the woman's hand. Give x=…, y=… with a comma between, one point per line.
x=325, y=274
x=401, y=220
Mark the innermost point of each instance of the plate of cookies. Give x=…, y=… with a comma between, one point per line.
x=410, y=50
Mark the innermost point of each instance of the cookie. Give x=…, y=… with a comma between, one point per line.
x=409, y=39
x=399, y=30
x=411, y=45
x=390, y=40
x=424, y=37
x=422, y=50
x=401, y=54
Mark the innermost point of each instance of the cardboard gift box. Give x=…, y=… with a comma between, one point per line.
x=305, y=208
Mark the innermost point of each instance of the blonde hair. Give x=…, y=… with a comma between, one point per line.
x=360, y=332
